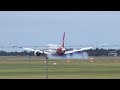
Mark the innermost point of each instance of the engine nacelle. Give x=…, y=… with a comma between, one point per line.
x=37, y=53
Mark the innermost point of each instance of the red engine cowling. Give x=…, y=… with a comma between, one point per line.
x=60, y=52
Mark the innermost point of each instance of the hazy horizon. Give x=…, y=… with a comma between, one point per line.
x=39, y=28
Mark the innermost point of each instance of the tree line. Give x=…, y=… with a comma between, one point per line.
x=91, y=52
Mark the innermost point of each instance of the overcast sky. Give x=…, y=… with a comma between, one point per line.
x=38, y=28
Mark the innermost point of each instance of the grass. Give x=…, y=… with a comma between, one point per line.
x=75, y=69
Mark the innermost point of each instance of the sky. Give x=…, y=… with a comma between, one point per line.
x=39, y=28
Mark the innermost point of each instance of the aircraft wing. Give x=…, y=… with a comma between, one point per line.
x=77, y=50
x=81, y=49
x=34, y=50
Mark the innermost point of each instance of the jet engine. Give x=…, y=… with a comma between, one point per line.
x=37, y=53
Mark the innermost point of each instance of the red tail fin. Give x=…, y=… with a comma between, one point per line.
x=63, y=40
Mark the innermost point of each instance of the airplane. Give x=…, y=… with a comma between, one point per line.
x=57, y=50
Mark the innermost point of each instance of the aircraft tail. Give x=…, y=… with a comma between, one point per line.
x=63, y=40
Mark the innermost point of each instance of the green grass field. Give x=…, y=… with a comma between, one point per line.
x=74, y=69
